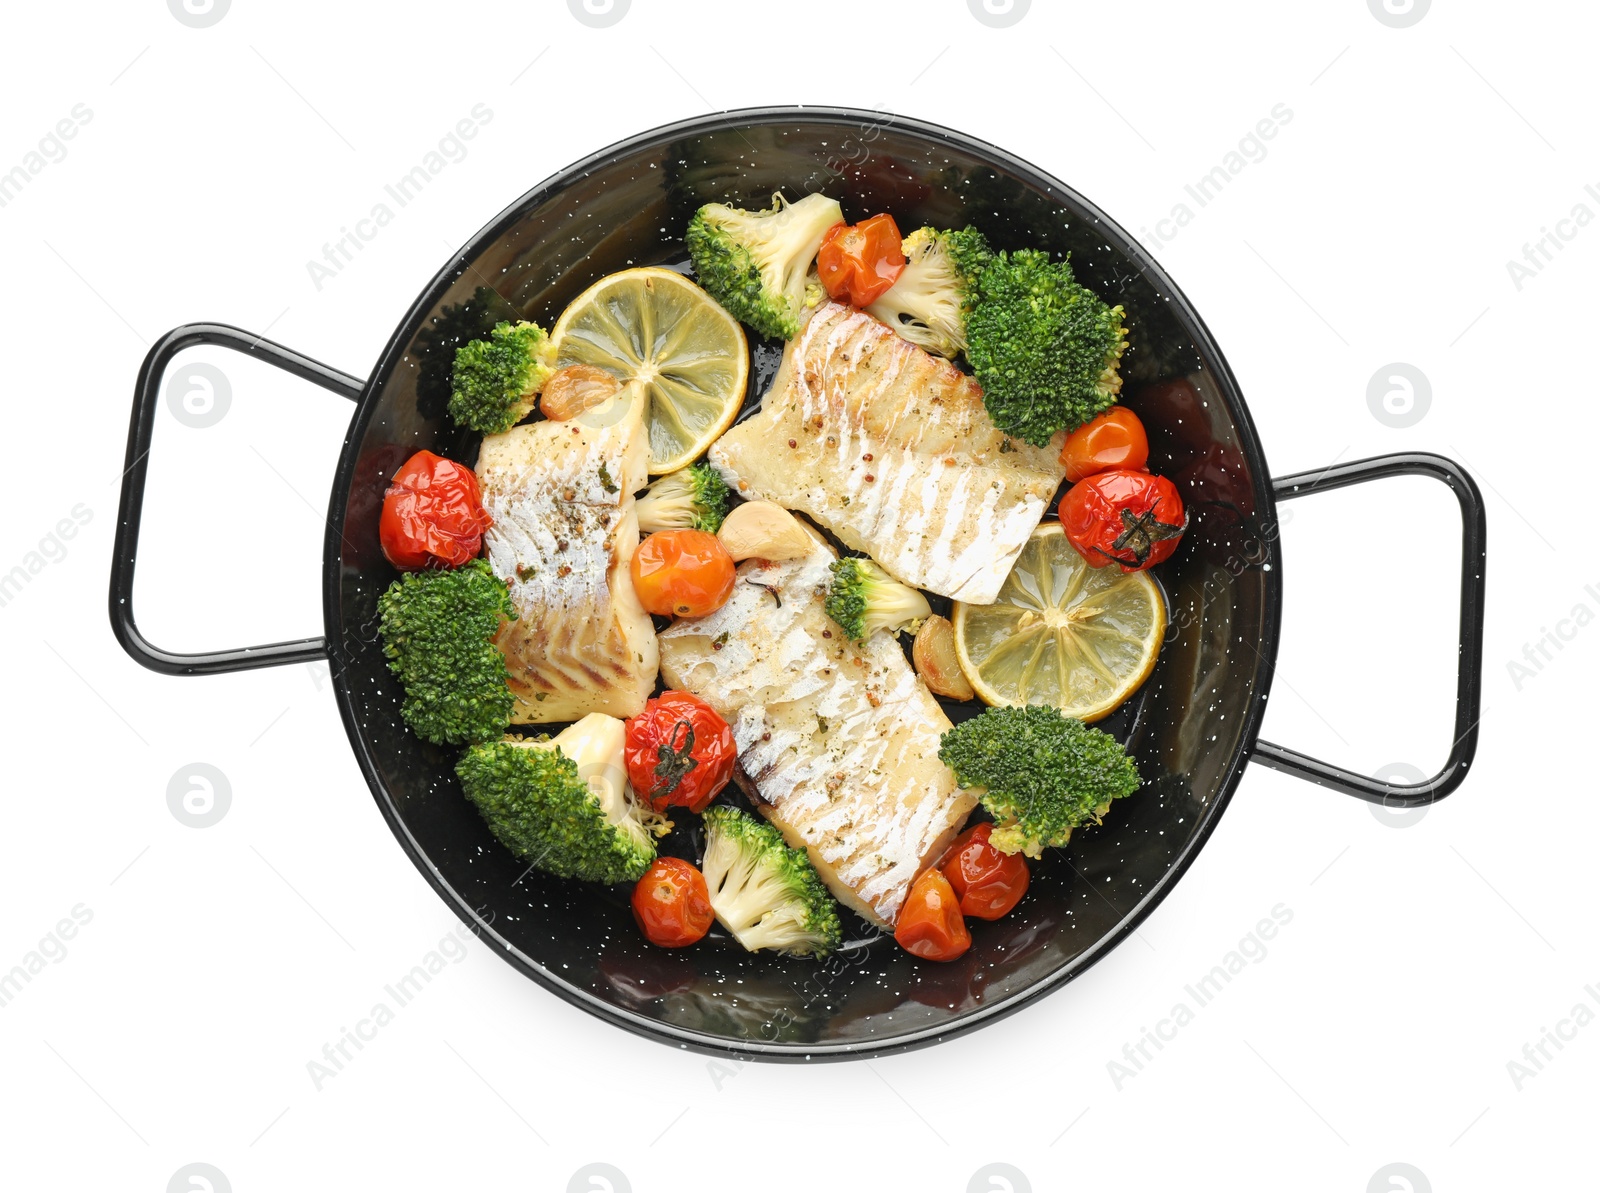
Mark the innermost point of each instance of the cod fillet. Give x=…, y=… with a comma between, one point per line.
x=561, y=496
x=891, y=449
x=838, y=744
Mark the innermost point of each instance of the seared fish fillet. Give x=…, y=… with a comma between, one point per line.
x=891, y=449
x=561, y=496
x=838, y=745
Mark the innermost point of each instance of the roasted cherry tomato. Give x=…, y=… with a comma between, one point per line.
x=858, y=262
x=433, y=514
x=987, y=882
x=683, y=573
x=930, y=924
x=1115, y=439
x=670, y=903
x=1128, y=518
x=679, y=752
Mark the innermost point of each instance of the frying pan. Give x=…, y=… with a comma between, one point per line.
x=1192, y=727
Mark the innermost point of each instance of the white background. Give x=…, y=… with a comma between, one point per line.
x=1420, y=959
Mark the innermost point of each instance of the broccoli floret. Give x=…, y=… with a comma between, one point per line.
x=931, y=299
x=562, y=804
x=762, y=891
x=862, y=597
x=496, y=380
x=436, y=628
x=693, y=498
x=1044, y=348
x=1039, y=772
x=755, y=262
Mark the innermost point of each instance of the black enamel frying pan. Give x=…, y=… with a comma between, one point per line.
x=1192, y=726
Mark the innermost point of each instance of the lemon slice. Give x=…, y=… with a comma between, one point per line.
x=1061, y=632
x=657, y=329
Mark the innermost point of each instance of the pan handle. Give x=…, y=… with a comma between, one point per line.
x=146, y=396
x=1469, y=651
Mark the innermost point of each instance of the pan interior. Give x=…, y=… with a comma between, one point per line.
x=1188, y=727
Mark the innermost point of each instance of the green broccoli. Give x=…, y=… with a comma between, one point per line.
x=694, y=498
x=1044, y=348
x=862, y=598
x=562, y=804
x=436, y=628
x=762, y=891
x=1039, y=772
x=755, y=262
x=932, y=298
x=496, y=380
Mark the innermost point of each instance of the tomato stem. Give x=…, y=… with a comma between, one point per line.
x=675, y=763
x=1141, y=532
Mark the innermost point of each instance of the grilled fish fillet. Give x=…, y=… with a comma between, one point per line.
x=838, y=744
x=891, y=449
x=561, y=496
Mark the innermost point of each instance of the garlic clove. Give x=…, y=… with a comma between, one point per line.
x=570, y=391
x=762, y=530
x=934, y=654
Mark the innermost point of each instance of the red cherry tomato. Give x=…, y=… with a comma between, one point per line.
x=1115, y=439
x=671, y=904
x=930, y=924
x=1128, y=518
x=683, y=573
x=858, y=262
x=679, y=752
x=987, y=882
x=433, y=514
